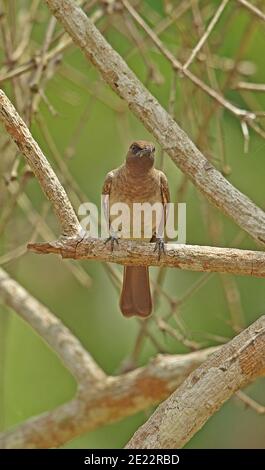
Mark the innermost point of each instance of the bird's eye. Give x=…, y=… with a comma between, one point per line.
x=135, y=148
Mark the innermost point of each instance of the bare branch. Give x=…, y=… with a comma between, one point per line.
x=207, y=33
x=256, y=11
x=49, y=182
x=172, y=139
x=232, y=367
x=75, y=358
x=245, y=132
x=250, y=86
x=190, y=257
x=250, y=403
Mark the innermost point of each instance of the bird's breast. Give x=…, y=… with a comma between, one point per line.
x=129, y=193
x=131, y=189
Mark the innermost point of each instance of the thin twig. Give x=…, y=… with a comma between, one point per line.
x=256, y=11
x=250, y=403
x=206, y=34
x=238, y=112
x=250, y=86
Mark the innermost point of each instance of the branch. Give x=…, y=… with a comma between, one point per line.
x=172, y=139
x=206, y=34
x=250, y=403
x=253, y=9
x=75, y=358
x=48, y=180
x=190, y=257
x=250, y=86
x=232, y=367
x=100, y=399
x=119, y=397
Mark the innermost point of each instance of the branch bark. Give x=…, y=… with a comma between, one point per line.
x=232, y=367
x=189, y=257
x=40, y=166
x=253, y=9
x=143, y=104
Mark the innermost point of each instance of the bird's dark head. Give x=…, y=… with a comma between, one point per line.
x=141, y=154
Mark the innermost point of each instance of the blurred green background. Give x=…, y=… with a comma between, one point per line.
x=90, y=133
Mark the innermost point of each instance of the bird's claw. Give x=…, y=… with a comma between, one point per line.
x=160, y=247
x=112, y=239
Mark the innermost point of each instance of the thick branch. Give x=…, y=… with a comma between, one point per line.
x=190, y=257
x=48, y=180
x=75, y=358
x=172, y=139
x=120, y=396
x=100, y=399
x=232, y=367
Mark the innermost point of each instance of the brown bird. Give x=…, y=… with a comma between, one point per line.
x=137, y=181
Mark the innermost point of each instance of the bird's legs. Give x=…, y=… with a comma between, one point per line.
x=112, y=239
x=160, y=246
x=158, y=238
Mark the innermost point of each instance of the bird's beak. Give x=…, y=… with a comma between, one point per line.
x=146, y=151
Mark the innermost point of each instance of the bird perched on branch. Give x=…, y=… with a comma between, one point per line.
x=137, y=181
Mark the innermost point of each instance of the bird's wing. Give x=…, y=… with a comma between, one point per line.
x=106, y=195
x=165, y=199
x=107, y=183
x=165, y=195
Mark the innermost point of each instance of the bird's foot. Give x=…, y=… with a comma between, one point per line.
x=112, y=239
x=159, y=246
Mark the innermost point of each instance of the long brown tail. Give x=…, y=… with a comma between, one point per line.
x=135, y=295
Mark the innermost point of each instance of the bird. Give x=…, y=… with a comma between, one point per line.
x=136, y=181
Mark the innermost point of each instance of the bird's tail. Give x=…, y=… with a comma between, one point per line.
x=135, y=295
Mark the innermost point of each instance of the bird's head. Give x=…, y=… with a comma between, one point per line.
x=141, y=154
